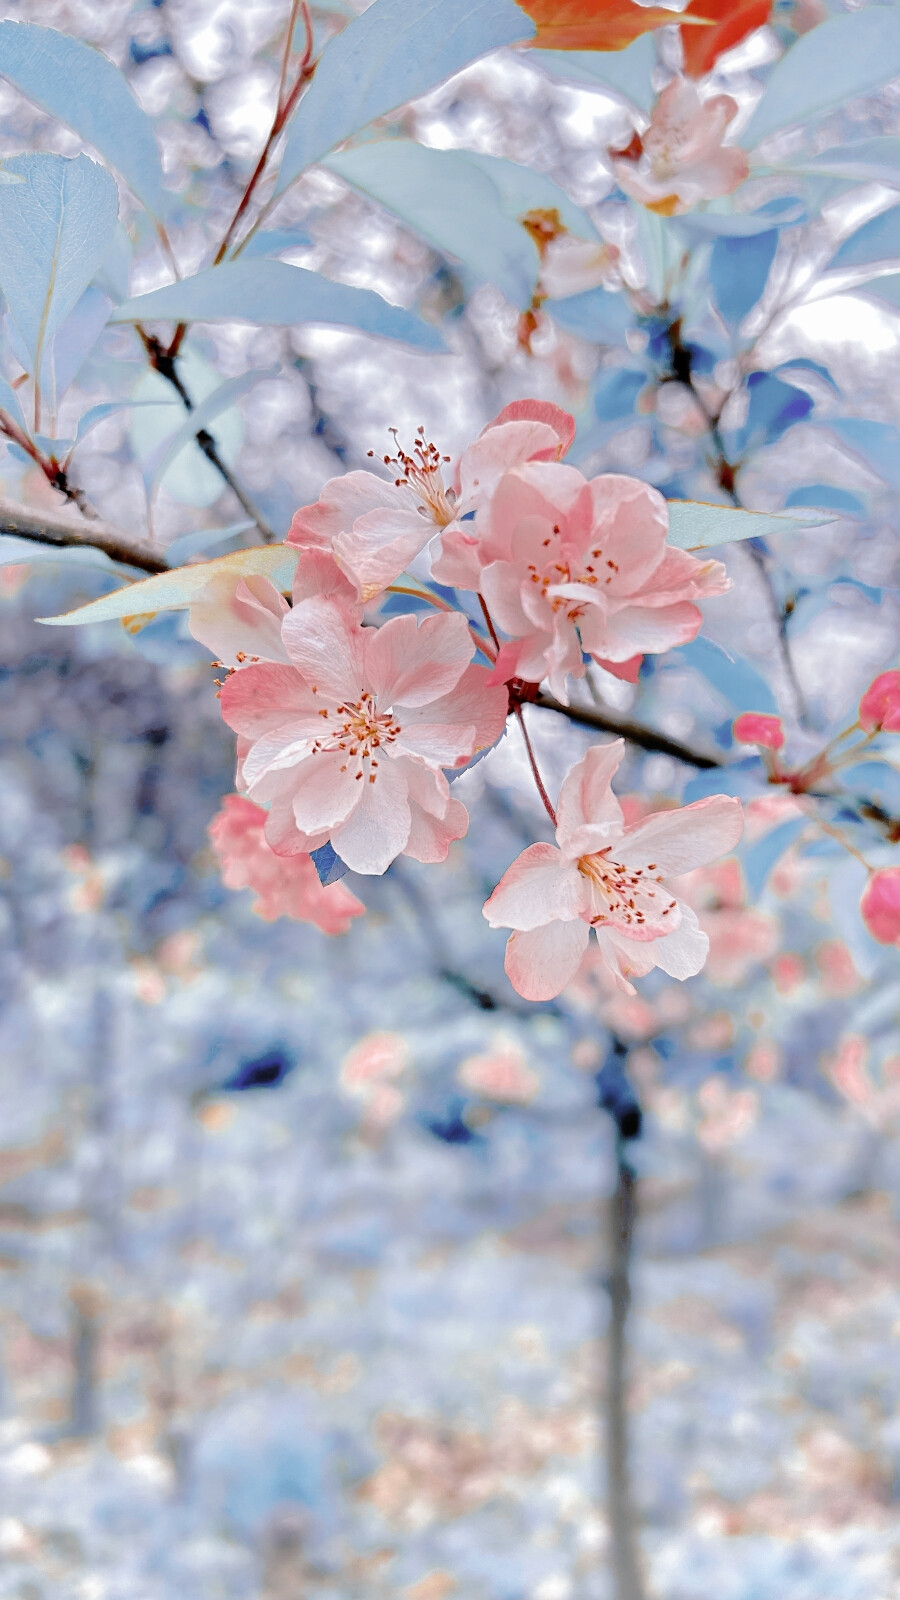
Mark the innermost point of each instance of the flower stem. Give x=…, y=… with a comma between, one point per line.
x=534, y=766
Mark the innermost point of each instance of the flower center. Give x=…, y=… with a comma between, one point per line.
x=597, y=572
x=632, y=898
x=422, y=474
x=360, y=730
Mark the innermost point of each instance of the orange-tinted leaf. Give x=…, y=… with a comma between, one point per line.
x=594, y=24
x=733, y=21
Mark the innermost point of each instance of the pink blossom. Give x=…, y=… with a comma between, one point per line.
x=739, y=937
x=570, y=565
x=880, y=905
x=602, y=875
x=285, y=886
x=348, y=740
x=502, y=1073
x=756, y=727
x=573, y=266
x=681, y=160
x=376, y=526
x=880, y=705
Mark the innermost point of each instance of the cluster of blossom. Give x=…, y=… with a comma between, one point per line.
x=879, y=712
x=348, y=724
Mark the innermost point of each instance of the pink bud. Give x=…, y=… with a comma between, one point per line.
x=880, y=905
x=755, y=727
x=880, y=705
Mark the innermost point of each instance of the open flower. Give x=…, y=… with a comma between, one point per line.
x=375, y=527
x=348, y=740
x=285, y=886
x=571, y=565
x=681, y=159
x=602, y=875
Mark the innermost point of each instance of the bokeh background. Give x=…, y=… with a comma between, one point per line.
x=304, y=1241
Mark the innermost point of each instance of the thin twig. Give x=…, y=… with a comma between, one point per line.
x=163, y=362
x=532, y=762
x=634, y=732
x=57, y=528
x=623, y=1544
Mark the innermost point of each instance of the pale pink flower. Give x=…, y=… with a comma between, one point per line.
x=573, y=266
x=285, y=886
x=879, y=707
x=347, y=742
x=756, y=727
x=739, y=937
x=240, y=618
x=376, y=1059
x=376, y=526
x=501, y=1073
x=681, y=160
x=605, y=876
x=571, y=565
x=880, y=905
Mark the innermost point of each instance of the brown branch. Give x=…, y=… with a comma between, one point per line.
x=60, y=529
x=623, y=1542
x=634, y=732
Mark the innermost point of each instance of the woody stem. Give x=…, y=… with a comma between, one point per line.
x=548, y=807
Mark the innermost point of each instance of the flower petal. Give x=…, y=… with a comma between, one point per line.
x=589, y=816
x=540, y=886
x=430, y=837
x=378, y=827
x=240, y=618
x=637, y=629
x=474, y=701
x=380, y=545
x=327, y=645
x=630, y=525
x=410, y=663
x=683, y=953
x=259, y=699
x=672, y=842
x=340, y=502
x=325, y=791
x=541, y=962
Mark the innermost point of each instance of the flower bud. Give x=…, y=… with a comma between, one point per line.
x=880, y=905
x=880, y=705
x=755, y=727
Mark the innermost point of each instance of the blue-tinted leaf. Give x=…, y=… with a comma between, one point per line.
x=694, y=525
x=886, y=288
x=194, y=544
x=175, y=591
x=328, y=864
x=801, y=364
x=55, y=229
x=279, y=295
x=74, y=341
x=740, y=224
x=877, y=240
x=877, y=443
x=739, y=270
x=842, y=57
x=871, y=161
x=81, y=87
x=221, y=399
x=108, y=408
x=732, y=676
x=597, y=315
x=758, y=859
x=774, y=407
x=616, y=391
x=9, y=402
x=18, y=552
x=828, y=497
x=272, y=241
x=391, y=54
x=453, y=204
x=627, y=72
x=875, y=780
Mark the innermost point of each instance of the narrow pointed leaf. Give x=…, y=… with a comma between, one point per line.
x=81, y=87
x=55, y=230
x=877, y=240
x=176, y=590
x=394, y=52
x=843, y=57
x=693, y=525
x=220, y=400
x=628, y=73
x=278, y=295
